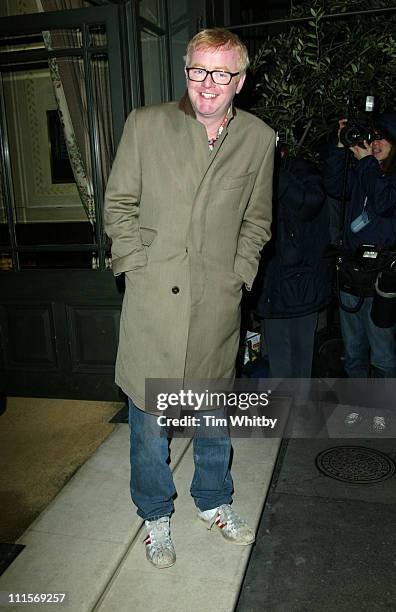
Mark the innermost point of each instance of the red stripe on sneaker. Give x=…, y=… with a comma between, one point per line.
x=219, y=523
x=147, y=540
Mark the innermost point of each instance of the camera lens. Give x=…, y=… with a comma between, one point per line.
x=354, y=133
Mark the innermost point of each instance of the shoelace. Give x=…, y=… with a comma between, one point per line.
x=379, y=422
x=231, y=518
x=352, y=416
x=159, y=534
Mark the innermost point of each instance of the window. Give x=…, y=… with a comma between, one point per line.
x=57, y=123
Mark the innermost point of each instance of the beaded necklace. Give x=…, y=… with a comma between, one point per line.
x=212, y=141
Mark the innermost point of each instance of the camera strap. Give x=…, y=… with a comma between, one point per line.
x=361, y=220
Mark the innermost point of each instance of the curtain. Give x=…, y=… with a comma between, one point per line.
x=68, y=79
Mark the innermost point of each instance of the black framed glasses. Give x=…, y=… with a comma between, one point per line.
x=220, y=77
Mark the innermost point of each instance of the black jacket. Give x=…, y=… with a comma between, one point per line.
x=297, y=279
x=365, y=180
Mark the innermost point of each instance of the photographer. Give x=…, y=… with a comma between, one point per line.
x=296, y=284
x=370, y=219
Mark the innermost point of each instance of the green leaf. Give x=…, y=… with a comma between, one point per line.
x=311, y=67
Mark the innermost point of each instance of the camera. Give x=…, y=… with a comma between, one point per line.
x=359, y=126
x=355, y=132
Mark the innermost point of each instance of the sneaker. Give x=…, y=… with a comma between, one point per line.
x=352, y=419
x=159, y=548
x=231, y=526
x=379, y=424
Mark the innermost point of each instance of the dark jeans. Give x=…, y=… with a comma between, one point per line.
x=152, y=486
x=290, y=344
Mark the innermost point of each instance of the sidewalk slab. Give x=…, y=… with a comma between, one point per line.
x=76, y=544
x=88, y=542
x=209, y=570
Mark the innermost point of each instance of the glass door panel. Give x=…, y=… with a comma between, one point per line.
x=151, y=10
x=5, y=255
x=43, y=183
x=179, y=36
x=102, y=115
x=152, y=68
x=3, y=215
x=48, y=209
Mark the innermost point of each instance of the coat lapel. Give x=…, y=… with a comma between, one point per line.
x=195, y=143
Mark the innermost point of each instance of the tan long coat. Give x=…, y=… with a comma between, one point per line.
x=187, y=227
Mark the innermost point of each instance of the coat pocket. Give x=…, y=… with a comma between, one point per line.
x=236, y=182
x=147, y=235
x=299, y=287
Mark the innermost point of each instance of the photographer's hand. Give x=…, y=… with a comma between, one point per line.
x=362, y=150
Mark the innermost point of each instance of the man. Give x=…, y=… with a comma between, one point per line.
x=188, y=209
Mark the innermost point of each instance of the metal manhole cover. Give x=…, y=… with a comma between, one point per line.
x=355, y=464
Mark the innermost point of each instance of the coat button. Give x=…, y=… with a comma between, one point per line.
x=175, y=290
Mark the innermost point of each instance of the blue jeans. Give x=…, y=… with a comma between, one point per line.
x=152, y=486
x=366, y=344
